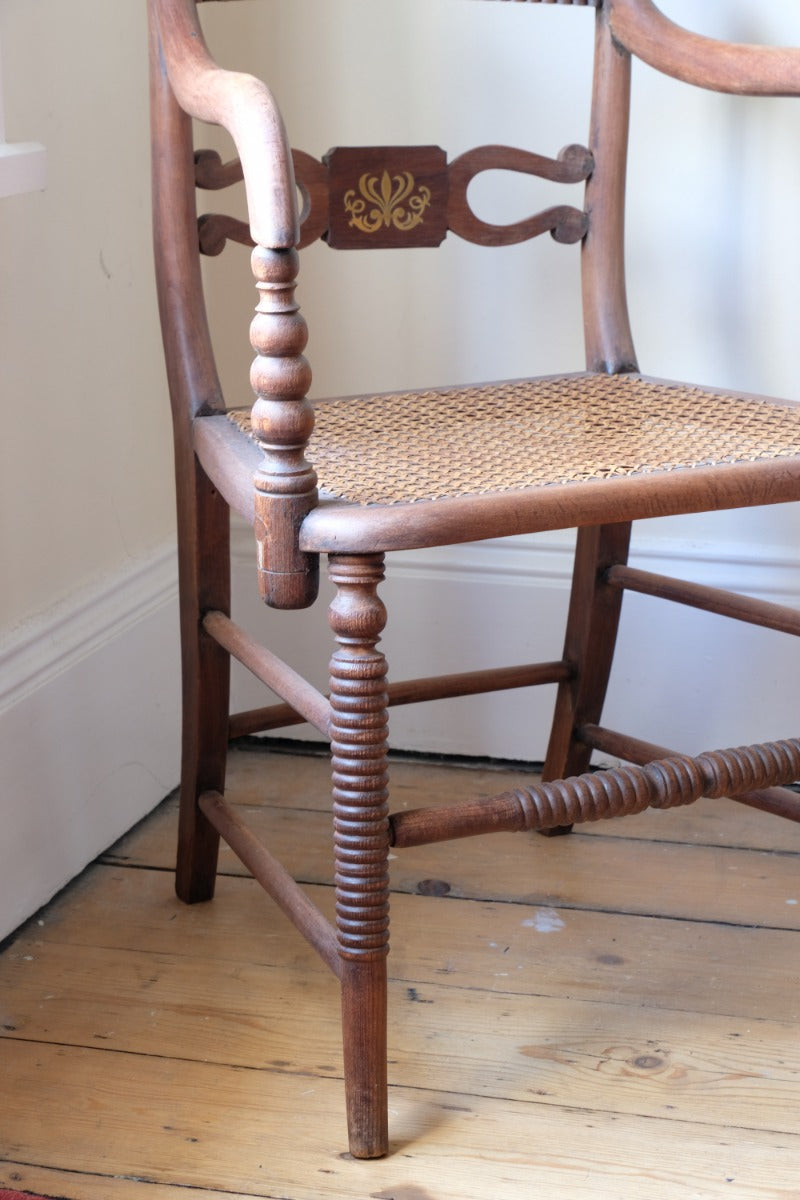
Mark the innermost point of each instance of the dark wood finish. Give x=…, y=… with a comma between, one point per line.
x=776, y=800
x=415, y=691
x=203, y=545
x=384, y=197
x=412, y=196
x=273, y=877
x=361, y=841
x=244, y=1050
x=285, y=483
x=312, y=182
x=662, y=783
x=389, y=197
x=606, y=327
x=567, y=224
x=231, y=460
x=592, y=623
x=303, y=699
x=715, y=600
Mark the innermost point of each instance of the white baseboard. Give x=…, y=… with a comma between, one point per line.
x=90, y=697
x=692, y=684
x=89, y=729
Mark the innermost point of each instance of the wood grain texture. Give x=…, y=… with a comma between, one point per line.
x=778, y=800
x=386, y=197
x=412, y=691
x=503, y=872
x=359, y=767
x=587, y=1051
x=273, y=877
x=744, y=70
x=397, y=197
x=566, y=224
x=304, y=699
x=282, y=422
x=434, y=480
x=245, y=107
x=765, y=613
x=589, y=643
x=663, y=782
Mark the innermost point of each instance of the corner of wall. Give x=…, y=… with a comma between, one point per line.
x=89, y=729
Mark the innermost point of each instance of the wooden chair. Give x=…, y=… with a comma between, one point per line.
x=593, y=450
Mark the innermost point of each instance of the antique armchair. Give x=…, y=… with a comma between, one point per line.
x=358, y=478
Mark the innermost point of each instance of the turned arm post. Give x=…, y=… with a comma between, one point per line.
x=282, y=419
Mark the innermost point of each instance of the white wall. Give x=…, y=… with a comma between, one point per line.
x=89, y=693
x=89, y=676
x=711, y=296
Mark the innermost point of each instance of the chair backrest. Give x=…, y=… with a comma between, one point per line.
x=381, y=197
x=393, y=196
x=387, y=196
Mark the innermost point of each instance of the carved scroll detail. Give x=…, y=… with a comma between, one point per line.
x=573, y=165
x=215, y=229
x=212, y=174
x=393, y=196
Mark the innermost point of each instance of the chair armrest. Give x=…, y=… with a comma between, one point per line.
x=246, y=108
x=641, y=28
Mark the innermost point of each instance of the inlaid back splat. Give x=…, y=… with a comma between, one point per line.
x=379, y=197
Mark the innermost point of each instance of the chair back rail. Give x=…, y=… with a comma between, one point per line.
x=192, y=375
x=706, y=62
x=386, y=197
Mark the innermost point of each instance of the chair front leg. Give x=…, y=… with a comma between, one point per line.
x=361, y=842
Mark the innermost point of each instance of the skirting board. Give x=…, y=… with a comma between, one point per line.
x=691, y=686
x=89, y=729
x=89, y=706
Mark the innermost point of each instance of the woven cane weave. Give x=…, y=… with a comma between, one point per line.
x=401, y=448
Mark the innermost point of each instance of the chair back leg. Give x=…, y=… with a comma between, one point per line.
x=591, y=634
x=204, y=571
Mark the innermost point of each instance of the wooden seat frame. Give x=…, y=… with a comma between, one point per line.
x=268, y=479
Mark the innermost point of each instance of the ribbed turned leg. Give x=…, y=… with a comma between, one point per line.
x=361, y=840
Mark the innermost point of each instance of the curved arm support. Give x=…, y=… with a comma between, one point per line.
x=638, y=26
x=246, y=108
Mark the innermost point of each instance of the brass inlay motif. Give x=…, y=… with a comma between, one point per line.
x=394, y=199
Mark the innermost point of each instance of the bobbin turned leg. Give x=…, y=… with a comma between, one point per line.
x=361, y=842
x=592, y=623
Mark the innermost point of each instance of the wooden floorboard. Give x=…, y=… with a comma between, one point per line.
x=612, y=1014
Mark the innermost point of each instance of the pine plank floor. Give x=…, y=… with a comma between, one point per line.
x=612, y=1014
